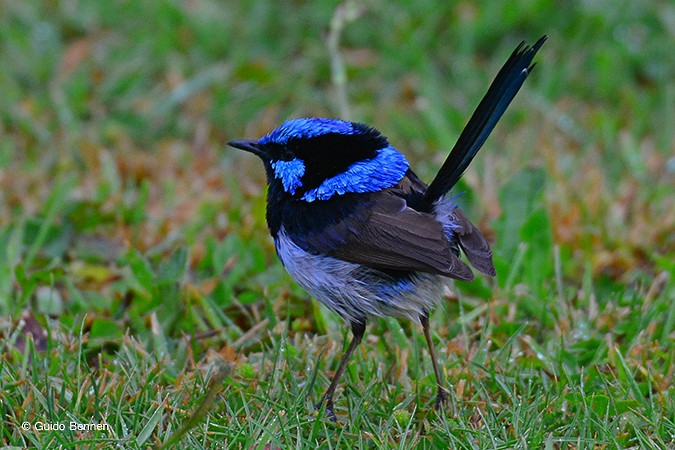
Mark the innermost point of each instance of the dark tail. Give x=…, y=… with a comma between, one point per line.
x=502, y=90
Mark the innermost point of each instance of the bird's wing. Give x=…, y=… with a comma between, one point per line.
x=388, y=235
x=473, y=243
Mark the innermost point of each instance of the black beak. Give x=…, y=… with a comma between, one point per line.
x=250, y=146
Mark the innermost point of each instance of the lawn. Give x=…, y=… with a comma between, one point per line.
x=141, y=301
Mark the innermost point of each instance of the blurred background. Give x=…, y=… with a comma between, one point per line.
x=115, y=117
x=123, y=213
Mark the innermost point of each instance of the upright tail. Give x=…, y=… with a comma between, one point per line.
x=498, y=97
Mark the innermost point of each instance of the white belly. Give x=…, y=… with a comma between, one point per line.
x=357, y=292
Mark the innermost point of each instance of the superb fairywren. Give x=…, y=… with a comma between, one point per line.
x=355, y=227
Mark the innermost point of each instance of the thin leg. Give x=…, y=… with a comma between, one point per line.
x=358, y=329
x=441, y=394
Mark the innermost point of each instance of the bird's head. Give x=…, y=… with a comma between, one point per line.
x=316, y=159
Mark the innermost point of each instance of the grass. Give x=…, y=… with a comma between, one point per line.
x=139, y=289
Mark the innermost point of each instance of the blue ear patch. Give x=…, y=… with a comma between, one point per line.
x=305, y=129
x=382, y=172
x=290, y=173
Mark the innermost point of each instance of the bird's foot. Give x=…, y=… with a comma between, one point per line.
x=441, y=398
x=329, y=408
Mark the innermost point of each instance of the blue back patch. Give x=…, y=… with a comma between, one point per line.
x=382, y=172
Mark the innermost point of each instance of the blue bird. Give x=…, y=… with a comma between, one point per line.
x=354, y=225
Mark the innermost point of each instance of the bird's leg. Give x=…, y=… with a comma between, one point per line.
x=441, y=394
x=358, y=329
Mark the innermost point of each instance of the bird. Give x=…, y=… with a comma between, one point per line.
x=357, y=229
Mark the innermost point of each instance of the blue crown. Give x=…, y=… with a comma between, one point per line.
x=382, y=169
x=307, y=128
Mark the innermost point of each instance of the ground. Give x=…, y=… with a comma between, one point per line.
x=142, y=304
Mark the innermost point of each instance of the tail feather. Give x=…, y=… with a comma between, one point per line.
x=503, y=89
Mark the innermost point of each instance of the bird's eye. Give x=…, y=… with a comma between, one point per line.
x=287, y=155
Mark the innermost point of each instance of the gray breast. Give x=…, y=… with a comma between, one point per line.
x=356, y=292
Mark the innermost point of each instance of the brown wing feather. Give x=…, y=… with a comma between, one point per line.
x=386, y=234
x=473, y=244
x=393, y=236
x=470, y=239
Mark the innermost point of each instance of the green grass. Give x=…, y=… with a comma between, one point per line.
x=139, y=288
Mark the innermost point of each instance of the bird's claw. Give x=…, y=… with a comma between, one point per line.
x=441, y=398
x=329, y=408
